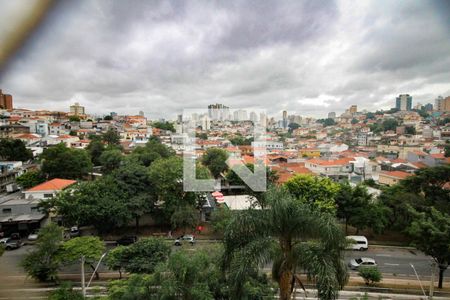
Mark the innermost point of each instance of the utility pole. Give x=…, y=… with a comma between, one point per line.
x=83, y=288
x=433, y=272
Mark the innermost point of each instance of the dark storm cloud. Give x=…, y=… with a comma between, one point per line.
x=308, y=57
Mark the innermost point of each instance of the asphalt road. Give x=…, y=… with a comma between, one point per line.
x=393, y=263
x=396, y=262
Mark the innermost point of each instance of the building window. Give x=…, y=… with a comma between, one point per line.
x=34, y=209
x=6, y=210
x=48, y=195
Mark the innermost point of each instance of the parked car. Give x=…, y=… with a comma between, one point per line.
x=10, y=243
x=187, y=238
x=127, y=240
x=33, y=236
x=359, y=262
x=357, y=242
x=74, y=231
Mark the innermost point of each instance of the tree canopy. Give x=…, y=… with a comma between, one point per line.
x=164, y=126
x=140, y=257
x=30, y=179
x=111, y=137
x=215, y=160
x=101, y=203
x=430, y=232
x=14, y=150
x=292, y=234
x=62, y=162
x=42, y=262
x=319, y=191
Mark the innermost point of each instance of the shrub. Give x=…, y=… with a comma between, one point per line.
x=370, y=275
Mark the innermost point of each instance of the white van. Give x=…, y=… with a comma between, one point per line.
x=357, y=242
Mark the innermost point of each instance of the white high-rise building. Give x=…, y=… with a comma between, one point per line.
x=240, y=115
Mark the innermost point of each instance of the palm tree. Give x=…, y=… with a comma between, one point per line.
x=293, y=236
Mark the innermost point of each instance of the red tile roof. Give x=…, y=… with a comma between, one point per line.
x=397, y=174
x=28, y=136
x=336, y=162
x=56, y=184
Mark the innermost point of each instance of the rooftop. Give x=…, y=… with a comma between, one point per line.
x=56, y=184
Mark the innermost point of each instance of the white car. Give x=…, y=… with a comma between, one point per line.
x=356, y=263
x=357, y=242
x=33, y=236
x=188, y=238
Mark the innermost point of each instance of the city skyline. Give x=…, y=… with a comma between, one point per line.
x=309, y=58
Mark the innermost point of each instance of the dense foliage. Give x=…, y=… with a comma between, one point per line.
x=59, y=161
x=42, y=262
x=14, y=150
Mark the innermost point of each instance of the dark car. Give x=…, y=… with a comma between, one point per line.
x=127, y=240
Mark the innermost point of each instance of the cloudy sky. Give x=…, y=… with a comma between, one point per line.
x=307, y=57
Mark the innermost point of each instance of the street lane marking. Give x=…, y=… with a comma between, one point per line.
x=388, y=264
x=383, y=255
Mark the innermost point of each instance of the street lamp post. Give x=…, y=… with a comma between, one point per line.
x=83, y=288
x=433, y=271
x=83, y=281
x=420, y=282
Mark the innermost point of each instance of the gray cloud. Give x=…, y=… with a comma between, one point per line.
x=308, y=57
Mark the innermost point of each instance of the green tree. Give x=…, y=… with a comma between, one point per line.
x=239, y=140
x=152, y=150
x=95, y=150
x=320, y=191
x=30, y=179
x=202, y=136
x=390, y=124
x=111, y=160
x=398, y=200
x=354, y=121
x=220, y=219
x=116, y=259
x=101, y=203
x=107, y=118
x=14, y=150
x=429, y=183
x=188, y=277
x=410, y=130
x=74, y=119
x=184, y=217
x=374, y=216
x=140, y=257
x=370, y=275
x=292, y=234
x=430, y=232
x=62, y=162
x=293, y=126
x=65, y=292
x=166, y=176
x=447, y=150
x=327, y=122
x=91, y=247
x=133, y=180
x=355, y=206
x=136, y=287
x=42, y=262
x=111, y=137
x=215, y=160
x=164, y=126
